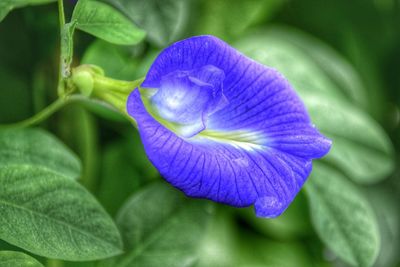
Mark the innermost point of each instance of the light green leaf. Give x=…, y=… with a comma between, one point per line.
x=67, y=47
x=337, y=69
x=161, y=227
x=361, y=148
x=50, y=215
x=303, y=73
x=342, y=217
x=163, y=20
x=105, y=22
x=214, y=19
x=38, y=149
x=116, y=61
x=17, y=259
x=7, y=5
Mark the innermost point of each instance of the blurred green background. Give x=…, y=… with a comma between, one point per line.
x=343, y=58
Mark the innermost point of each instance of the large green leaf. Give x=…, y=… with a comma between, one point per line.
x=163, y=20
x=228, y=19
x=161, y=227
x=38, y=149
x=50, y=215
x=7, y=5
x=360, y=148
x=17, y=259
x=337, y=69
x=300, y=69
x=342, y=217
x=44, y=210
x=105, y=22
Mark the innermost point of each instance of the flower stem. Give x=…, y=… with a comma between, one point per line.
x=61, y=16
x=90, y=80
x=44, y=114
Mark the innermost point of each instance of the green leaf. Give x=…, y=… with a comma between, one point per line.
x=37, y=149
x=105, y=22
x=342, y=217
x=67, y=47
x=116, y=61
x=7, y=5
x=361, y=148
x=228, y=19
x=50, y=215
x=17, y=259
x=161, y=227
x=302, y=72
x=163, y=20
x=337, y=69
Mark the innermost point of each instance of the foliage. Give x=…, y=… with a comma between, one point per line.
x=64, y=175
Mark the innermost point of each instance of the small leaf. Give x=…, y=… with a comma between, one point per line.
x=7, y=5
x=17, y=259
x=67, y=47
x=39, y=149
x=161, y=227
x=342, y=217
x=105, y=22
x=50, y=215
x=162, y=19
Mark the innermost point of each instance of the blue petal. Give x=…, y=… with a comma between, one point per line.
x=256, y=149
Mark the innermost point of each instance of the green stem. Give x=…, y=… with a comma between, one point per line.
x=61, y=15
x=44, y=114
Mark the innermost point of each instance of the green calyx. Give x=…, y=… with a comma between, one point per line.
x=91, y=82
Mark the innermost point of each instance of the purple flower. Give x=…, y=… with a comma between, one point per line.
x=221, y=126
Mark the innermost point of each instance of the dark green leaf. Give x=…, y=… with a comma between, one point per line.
x=37, y=149
x=342, y=217
x=17, y=259
x=50, y=215
x=161, y=227
x=7, y=5
x=105, y=22
x=162, y=19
